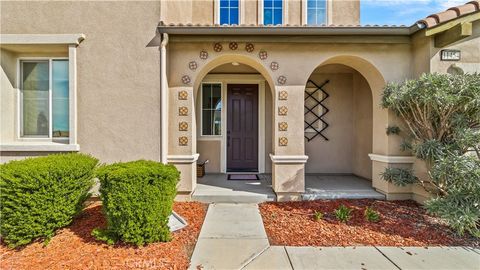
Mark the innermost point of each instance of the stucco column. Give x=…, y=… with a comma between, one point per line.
x=387, y=152
x=288, y=158
x=182, y=138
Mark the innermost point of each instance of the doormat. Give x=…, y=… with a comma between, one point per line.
x=243, y=177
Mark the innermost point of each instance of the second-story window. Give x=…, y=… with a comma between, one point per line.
x=316, y=12
x=229, y=11
x=273, y=12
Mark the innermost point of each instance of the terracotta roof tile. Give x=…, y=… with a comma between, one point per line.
x=450, y=14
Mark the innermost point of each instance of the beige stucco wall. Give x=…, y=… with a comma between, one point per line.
x=336, y=154
x=350, y=120
x=470, y=50
x=8, y=78
x=340, y=12
x=362, y=127
x=345, y=12
x=118, y=77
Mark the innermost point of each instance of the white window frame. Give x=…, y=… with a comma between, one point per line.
x=70, y=41
x=219, y=136
x=241, y=13
x=328, y=9
x=50, y=137
x=72, y=91
x=261, y=12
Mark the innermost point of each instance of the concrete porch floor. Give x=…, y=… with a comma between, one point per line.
x=215, y=188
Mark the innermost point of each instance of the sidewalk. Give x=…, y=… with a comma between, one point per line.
x=233, y=237
x=363, y=258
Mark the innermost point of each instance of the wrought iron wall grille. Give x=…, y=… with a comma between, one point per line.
x=315, y=110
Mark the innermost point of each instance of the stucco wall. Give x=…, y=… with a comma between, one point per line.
x=340, y=12
x=118, y=77
x=350, y=125
x=470, y=50
x=345, y=12
x=362, y=127
x=7, y=96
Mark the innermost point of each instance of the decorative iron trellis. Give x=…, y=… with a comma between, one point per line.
x=318, y=117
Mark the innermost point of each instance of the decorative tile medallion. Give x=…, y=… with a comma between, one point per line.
x=249, y=47
x=274, y=66
x=233, y=46
x=282, y=80
x=183, y=95
x=217, y=47
x=203, y=54
x=183, y=111
x=183, y=126
x=263, y=55
x=186, y=79
x=283, y=110
x=282, y=126
x=283, y=95
x=283, y=141
x=183, y=141
x=192, y=65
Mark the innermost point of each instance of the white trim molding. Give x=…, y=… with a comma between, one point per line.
x=39, y=147
x=392, y=159
x=288, y=159
x=182, y=159
x=20, y=39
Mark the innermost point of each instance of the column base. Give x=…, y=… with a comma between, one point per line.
x=288, y=176
x=289, y=196
x=187, y=165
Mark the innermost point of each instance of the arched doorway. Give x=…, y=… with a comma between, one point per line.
x=342, y=115
x=233, y=117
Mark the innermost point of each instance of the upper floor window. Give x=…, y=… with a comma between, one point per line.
x=273, y=12
x=316, y=12
x=44, y=98
x=229, y=11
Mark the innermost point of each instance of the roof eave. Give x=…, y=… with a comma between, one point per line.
x=288, y=30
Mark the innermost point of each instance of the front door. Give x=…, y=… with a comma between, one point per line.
x=242, y=127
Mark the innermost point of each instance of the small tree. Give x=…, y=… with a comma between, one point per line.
x=441, y=113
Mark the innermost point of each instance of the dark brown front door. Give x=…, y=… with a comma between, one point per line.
x=242, y=127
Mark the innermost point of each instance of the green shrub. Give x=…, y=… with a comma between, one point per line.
x=441, y=116
x=343, y=213
x=399, y=176
x=40, y=195
x=317, y=216
x=371, y=215
x=137, y=201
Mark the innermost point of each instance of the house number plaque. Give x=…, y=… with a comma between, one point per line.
x=450, y=55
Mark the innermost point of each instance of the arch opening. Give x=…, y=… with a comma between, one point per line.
x=215, y=114
x=348, y=111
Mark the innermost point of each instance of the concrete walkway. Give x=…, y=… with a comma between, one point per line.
x=232, y=235
x=363, y=258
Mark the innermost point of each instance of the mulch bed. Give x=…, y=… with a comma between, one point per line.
x=402, y=223
x=74, y=248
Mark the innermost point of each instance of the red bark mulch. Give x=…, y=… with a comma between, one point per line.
x=74, y=248
x=402, y=223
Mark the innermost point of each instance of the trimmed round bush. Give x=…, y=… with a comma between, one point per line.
x=137, y=200
x=40, y=195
